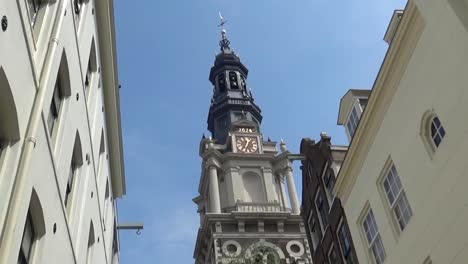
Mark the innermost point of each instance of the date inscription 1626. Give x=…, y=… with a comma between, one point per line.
x=245, y=130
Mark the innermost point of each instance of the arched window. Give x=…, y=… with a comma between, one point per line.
x=253, y=188
x=91, y=240
x=243, y=84
x=91, y=68
x=233, y=80
x=78, y=6
x=222, y=82
x=75, y=164
x=9, y=127
x=432, y=131
x=34, y=230
x=61, y=90
x=106, y=202
x=102, y=151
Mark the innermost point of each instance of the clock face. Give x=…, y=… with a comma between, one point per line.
x=247, y=144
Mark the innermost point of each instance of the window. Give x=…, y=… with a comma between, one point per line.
x=91, y=68
x=88, y=76
x=222, y=82
x=71, y=176
x=363, y=103
x=353, y=122
x=115, y=246
x=396, y=196
x=243, y=84
x=91, y=239
x=233, y=80
x=106, y=203
x=329, y=182
x=27, y=242
x=78, y=5
x=375, y=244
x=321, y=211
x=75, y=164
x=34, y=7
x=332, y=257
x=55, y=106
x=344, y=237
x=314, y=236
x=437, y=131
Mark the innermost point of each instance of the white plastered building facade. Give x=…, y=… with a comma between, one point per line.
x=61, y=153
x=403, y=181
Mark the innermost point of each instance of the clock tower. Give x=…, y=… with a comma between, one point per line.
x=248, y=204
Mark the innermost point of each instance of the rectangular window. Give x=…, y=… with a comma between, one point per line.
x=397, y=199
x=374, y=240
x=332, y=256
x=321, y=211
x=353, y=121
x=27, y=242
x=55, y=106
x=313, y=231
x=344, y=237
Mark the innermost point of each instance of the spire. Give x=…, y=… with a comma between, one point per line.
x=224, y=43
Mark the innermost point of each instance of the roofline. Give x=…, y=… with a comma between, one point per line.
x=385, y=85
x=108, y=56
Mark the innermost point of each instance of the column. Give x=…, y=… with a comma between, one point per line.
x=215, y=204
x=292, y=192
x=284, y=197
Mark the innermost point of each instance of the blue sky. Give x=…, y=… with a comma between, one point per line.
x=303, y=55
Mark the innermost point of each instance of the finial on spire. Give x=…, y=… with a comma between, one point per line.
x=224, y=43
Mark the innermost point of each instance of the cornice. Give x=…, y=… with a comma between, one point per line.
x=385, y=86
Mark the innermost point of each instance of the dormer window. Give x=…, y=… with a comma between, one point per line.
x=363, y=103
x=222, y=82
x=233, y=80
x=353, y=122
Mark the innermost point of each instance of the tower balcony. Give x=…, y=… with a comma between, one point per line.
x=255, y=207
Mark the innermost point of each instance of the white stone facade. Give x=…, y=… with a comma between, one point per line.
x=61, y=160
x=248, y=205
x=413, y=137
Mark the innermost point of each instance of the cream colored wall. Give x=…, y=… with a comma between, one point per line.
x=436, y=78
x=31, y=64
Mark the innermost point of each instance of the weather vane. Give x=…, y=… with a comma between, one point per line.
x=224, y=43
x=223, y=22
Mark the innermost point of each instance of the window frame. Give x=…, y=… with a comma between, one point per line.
x=376, y=239
x=311, y=223
x=56, y=105
x=352, y=121
x=233, y=84
x=34, y=237
x=398, y=198
x=426, y=132
x=221, y=82
x=349, y=253
x=325, y=180
x=321, y=217
x=436, y=131
x=329, y=253
x=34, y=11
